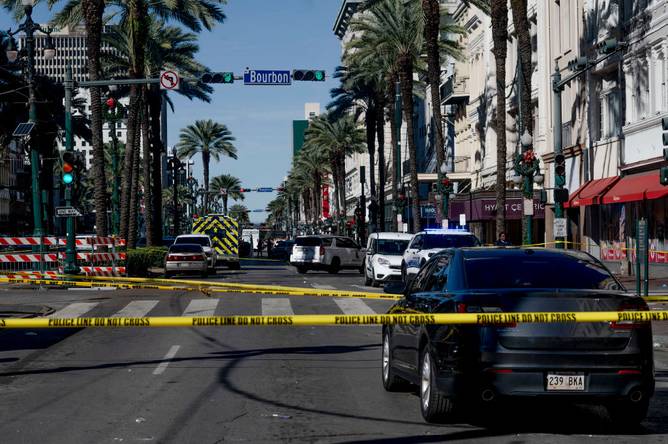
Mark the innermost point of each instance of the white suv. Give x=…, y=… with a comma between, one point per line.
x=384, y=253
x=429, y=242
x=330, y=253
x=203, y=240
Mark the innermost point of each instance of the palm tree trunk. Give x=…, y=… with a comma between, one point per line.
x=224, y=203
x=432, y=16
x=523, y=30
x=318, y=195
x=406, y=80
x=134, y=196
x=500, y=37
x=335, y=179
x=370, y=121
x=148, y=197
x=393, y=141
x=155, y=107
x=341, y=167
x=380, y=129
x=206, y=157
x=93, y=11
x=126, y=176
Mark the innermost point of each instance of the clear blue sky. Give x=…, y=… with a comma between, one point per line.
x=260, y=34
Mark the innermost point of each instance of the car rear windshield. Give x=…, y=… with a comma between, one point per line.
x=309, y=241
x=527, y=271
x=199, y=240
x=392, y=247
x=449, y=241
x=185, y=248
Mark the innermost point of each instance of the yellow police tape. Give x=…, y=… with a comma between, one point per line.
x=88, y=284
x=323, y=320
x=247, y=288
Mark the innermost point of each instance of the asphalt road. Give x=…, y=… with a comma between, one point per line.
x=264, y=384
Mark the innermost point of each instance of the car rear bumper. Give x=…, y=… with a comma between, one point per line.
x=185, y=267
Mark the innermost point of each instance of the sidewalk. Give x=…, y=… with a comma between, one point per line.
x=655, y=284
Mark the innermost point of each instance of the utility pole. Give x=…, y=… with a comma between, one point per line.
x=361, y=219
x=397, y=153
x=113, y=113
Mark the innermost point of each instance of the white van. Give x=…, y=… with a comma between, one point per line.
x=384, y=253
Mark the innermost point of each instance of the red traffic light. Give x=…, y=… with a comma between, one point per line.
x=111, y=102
x=445, y=182
x=67, y=168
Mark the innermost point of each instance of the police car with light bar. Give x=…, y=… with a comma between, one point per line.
x=427, y=243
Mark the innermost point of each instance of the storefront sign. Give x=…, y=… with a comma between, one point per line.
x=485, y=209
x=427, y=211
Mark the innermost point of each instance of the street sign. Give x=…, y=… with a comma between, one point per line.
x=265, y=190
x=67, y=211
x=169, y=80
x=267, y=77
x=23, y=129
x=528, y=206
x=560, y=227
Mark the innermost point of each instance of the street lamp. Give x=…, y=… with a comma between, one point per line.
x=114, y=112
x=527, y=167
x=29, y=27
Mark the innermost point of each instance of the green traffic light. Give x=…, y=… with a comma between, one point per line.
x=227, y=77
x=68, y=178
x=320, y=75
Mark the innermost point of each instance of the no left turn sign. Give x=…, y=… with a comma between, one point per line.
x=169, y=80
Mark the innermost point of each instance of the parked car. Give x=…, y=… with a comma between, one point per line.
x=608, y=363
x=186, y=258
x=200, y=239
x=427, y=243
x=384, y=254
x=330, y=253
x=282, y=250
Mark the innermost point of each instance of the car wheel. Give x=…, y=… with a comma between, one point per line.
x=626, y=414
x=168, y=274
x=403, y=272
x=434, y=405
x=204, y=274
x=302, y=270
x=367, y=280
x=391, y=382
x=362, y=269
x=334, y=268
x=234, y=265
x=376, y=283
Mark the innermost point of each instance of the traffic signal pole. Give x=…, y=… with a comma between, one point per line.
x=608, y=48
x=71, y=266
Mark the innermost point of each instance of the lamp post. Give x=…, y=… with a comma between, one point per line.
x=397, y=153
x=526, y=166
x=114, y=112
x=29, y=27
x=444, y=188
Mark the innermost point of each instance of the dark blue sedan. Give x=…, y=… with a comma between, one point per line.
x=602, y=363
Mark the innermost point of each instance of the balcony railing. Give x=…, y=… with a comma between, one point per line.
x=454, y=90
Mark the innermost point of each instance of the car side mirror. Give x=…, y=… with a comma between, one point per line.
x=394, y=287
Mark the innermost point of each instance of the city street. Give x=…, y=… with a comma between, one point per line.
x=260, y=384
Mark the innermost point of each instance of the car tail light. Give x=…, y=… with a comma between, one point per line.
x=172, y=257
x=630, y=324
x=195, y=257
x=629, y=372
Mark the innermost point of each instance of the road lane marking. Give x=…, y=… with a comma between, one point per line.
x=73, y=310
x=323, y=287
x=354, y=306
x=201, y=307
x=276, y=307
x=136, y=309
x=166, y=360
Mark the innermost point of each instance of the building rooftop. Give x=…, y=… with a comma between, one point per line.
x=348, y=8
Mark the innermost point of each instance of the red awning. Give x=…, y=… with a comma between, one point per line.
x=590, y=193
x=636, y=187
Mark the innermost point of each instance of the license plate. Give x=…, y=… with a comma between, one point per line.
x=556, y=382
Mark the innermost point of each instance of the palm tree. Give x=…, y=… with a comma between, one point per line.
x=194, y=14
x=337, y=138
x=229, y=186
x=168, y=47
x=394, y=28
x=313, y=162
x=212, y=140
x=240, y=213
x=499, y=13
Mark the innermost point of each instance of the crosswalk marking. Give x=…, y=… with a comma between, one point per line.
x=354, y=306
x=73, y=310
x=201, y=307
x=276, y=307
x=136, y=309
